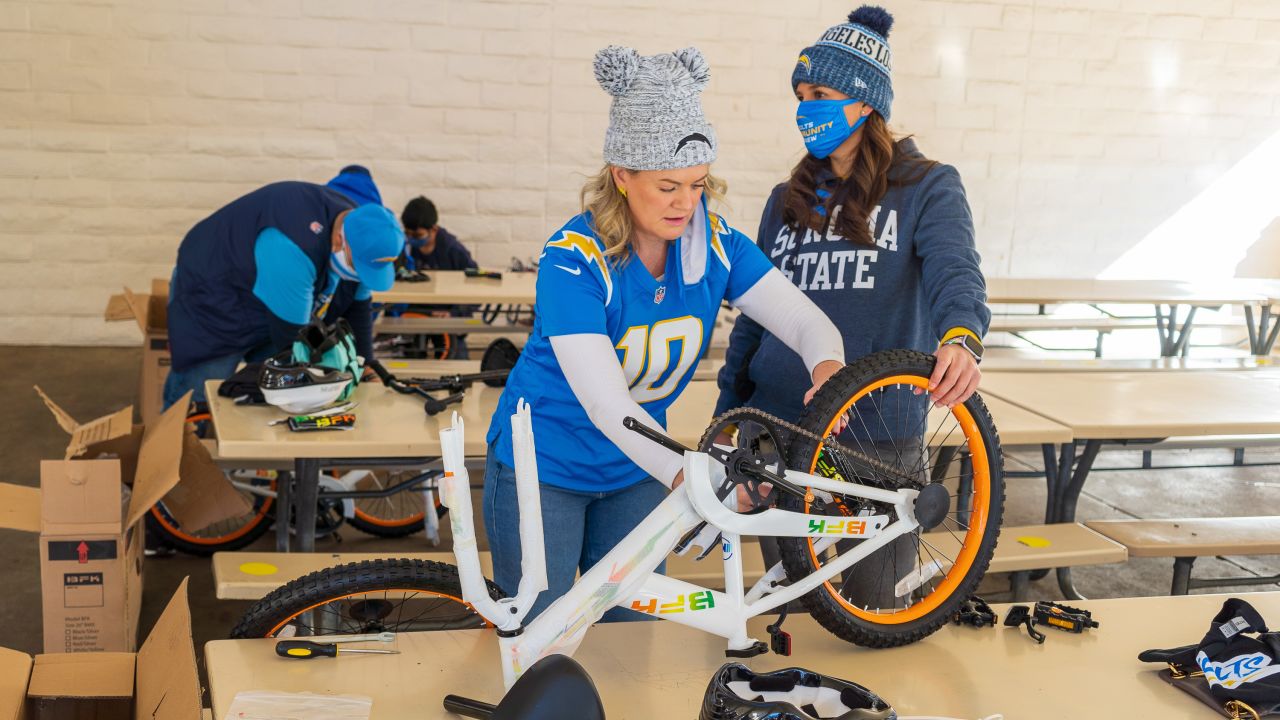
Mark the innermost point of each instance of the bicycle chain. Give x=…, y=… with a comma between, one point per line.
x=828, y=442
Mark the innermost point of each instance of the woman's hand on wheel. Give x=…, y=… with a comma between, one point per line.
x=955, y=376
x=821, y=374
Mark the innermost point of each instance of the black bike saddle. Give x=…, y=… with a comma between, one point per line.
x=555, y=688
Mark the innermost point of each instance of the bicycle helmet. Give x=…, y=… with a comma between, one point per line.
x=299, y=388
x=737, y=693
x=501, y=354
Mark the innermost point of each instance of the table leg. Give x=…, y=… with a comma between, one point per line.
x=1164, y=328
x=1182, y=343
x=1253, y=332
x=1067, y=508
x=284, y=510
x=306, y=495
x=1071, y=490
x=1050, y=481
x=1269, y=340
x=1055, y=459
x=1066, y=461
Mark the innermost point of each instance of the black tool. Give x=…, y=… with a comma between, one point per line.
x=1063, y=617
x=1021, y=615
x=404, y=274
x=306, y=650
x=457, y=382
x=454, y=384
x=975, y=612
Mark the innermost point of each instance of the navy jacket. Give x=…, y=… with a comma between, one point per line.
x=212, y=309
x=921, y=280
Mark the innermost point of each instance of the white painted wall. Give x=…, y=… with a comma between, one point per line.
x=1079, y=126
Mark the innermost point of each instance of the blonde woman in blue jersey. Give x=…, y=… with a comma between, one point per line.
x=627, y=294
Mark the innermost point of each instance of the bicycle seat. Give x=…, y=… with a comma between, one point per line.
x=556, y=687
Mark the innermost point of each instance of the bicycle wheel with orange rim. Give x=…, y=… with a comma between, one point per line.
x=396, y=515
x=951, y=456
x=372, y=596
x=229, y=534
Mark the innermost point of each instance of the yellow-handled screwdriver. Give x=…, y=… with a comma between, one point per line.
x=306, y=650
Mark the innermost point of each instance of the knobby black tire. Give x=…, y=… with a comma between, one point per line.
x=795, y=551
x=331, y=584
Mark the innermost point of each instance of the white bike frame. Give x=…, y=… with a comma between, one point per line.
x=625, y=577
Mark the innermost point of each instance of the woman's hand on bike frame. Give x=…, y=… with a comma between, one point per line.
x=955, y=376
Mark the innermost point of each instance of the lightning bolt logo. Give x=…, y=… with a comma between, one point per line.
x=718, y=228
x=571, y=241
x=804, y=60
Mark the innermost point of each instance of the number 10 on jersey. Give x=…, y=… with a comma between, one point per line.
x=655, y=358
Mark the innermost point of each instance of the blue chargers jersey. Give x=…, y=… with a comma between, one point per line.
x=659, y=328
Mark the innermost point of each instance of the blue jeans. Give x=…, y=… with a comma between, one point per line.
x=193, y=378
x=579, y=528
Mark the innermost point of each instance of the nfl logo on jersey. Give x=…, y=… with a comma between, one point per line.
x=316, y=227
x=661, y=293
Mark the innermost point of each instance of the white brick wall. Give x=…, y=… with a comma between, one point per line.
x=1078, y=125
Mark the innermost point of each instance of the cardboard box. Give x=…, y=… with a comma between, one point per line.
x=90, y=512
x=151, y=314
x=159, y=682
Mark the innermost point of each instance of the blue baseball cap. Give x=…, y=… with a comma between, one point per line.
x=376, y=240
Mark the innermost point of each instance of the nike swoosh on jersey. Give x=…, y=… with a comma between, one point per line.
x=571, y=271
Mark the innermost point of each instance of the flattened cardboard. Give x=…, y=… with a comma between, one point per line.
x=80, y=498
x=19, y=509
x=107, y=427
x=159, y=459
x=168, y=683
x=15, y=669
x=204, y=496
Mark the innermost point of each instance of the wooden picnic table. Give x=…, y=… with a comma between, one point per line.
x=646, y=670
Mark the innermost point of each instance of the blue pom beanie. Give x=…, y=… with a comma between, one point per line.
x=854, y=58
x=355, y=182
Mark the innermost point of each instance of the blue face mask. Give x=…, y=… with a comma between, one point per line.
x=415, y=242
x=824, y=126
x=338, y=263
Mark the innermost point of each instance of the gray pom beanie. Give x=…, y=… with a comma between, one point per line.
x=656, y=120
x=854, y=58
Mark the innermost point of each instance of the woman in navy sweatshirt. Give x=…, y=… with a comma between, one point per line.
x=878, y=236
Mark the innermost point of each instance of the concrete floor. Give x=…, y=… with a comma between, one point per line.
x=88, y=382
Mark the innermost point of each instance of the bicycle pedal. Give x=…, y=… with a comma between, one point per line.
x=780, y=643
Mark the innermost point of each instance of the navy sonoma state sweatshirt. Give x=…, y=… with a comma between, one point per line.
x=921, y=280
